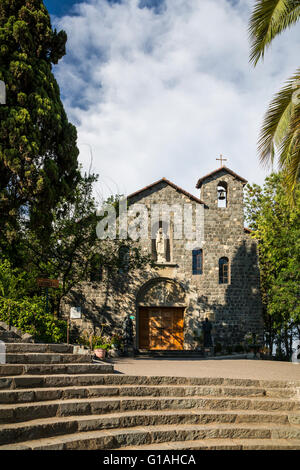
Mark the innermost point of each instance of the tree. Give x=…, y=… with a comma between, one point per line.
x=74, y=253
x=277, y=227
x=38, y=152
x=281, y=126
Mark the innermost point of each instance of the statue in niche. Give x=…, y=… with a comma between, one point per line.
x=161, y=246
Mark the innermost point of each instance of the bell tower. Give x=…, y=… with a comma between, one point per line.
x=222, y=193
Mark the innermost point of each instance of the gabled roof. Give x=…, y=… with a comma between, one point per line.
x=222, y=168
x=164, y=180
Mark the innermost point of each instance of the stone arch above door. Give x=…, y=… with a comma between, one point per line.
x=161, y=292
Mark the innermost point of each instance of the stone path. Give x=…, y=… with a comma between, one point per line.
x=238, y=368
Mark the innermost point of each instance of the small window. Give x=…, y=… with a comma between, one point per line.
x=123, y=259
x=223, y=270
x=96, y=274
x=95, y=270
x=197, y=261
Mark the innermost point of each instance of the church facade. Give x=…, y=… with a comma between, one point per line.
x=206, y=267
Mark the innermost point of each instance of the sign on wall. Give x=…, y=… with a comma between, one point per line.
x=48, y=283
x=75, y=312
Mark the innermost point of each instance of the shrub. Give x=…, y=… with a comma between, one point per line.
x=28, y=314
x=24, y=310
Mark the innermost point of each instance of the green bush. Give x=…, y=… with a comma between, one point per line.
x=107, y=346
x=29, y=316
x=22, y=308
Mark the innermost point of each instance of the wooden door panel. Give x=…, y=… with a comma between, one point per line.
x=167, y=334
x=154, y=329
x=161, y=328
x=178, y=329
x=144, y=329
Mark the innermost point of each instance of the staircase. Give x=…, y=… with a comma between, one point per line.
x=52, y=399
x=11, y=334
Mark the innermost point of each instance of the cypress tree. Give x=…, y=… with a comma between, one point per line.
x=38, y=151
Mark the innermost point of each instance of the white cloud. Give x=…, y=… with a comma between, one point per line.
x=164, y=94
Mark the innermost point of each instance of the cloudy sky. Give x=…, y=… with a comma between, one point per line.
x=161, y=88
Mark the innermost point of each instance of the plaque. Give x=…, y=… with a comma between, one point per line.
x=75, y=312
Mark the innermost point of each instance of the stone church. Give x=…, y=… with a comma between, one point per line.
x=215, y=276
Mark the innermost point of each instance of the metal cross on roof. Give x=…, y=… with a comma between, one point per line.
x=222, y=159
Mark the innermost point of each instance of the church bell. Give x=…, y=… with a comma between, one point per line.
x=221, y=194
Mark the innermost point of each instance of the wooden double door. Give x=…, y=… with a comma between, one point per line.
x=161, y=328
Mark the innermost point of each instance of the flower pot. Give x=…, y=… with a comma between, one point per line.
x=100, y=353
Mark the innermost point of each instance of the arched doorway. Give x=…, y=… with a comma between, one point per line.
x=160, y=314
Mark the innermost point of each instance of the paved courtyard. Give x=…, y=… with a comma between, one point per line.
x=237, y=368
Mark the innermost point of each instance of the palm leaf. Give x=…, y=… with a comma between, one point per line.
x=269, y=18
x=277, y=120
x=289, y=156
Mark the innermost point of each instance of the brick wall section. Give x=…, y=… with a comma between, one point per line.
x=234, y=308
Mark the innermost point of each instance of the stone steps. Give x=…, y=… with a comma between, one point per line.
x=46, y=369
x=78, y=404
x=46, y=358
x=13, y=335
x=49, y=427
x=219, y=444
x=19, y=395
x=82, y=406
x=65, y=380
x=39, y=348
x=146, y=435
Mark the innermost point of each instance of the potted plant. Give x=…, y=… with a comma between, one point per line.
x=100, y=350
x=99, y=344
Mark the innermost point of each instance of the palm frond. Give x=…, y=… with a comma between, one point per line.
x=269, y=18
x=277, y=120
x=289, y=157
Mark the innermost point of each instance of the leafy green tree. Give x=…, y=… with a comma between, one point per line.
x=281, y=126
x=38, y=152
x=74, y=253
x=22, y=307
x=276, y=225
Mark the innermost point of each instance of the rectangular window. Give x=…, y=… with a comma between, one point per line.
x=223, y=270
x=96, y=274
x=197, y=261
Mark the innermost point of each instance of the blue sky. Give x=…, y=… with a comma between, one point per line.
x=60, y=8
x=159, y=88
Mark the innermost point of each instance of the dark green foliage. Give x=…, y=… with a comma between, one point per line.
x=29, y=315
x=38, y=152
x=277, y=227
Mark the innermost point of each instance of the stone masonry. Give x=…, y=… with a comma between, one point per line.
x=234, y=308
